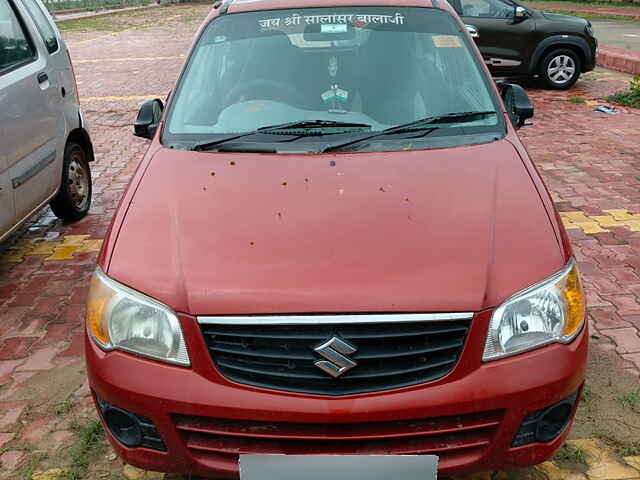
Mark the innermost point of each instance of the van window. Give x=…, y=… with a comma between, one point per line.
x=15, y=48
x=486, y=8
x=43, y=24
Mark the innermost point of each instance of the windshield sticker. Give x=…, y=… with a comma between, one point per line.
x=331, y=20
x=447, y=41
x=332, y=28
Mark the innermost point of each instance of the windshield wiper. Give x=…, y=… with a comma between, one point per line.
x=417, y=125
x=301, y=128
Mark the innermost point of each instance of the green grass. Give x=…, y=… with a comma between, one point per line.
x=104, y=23
x=25, y=472
x=85, y=449
x=593, y=16
x=64, y=407
x=569, y=453
x=590, y=2
x=631, y=399
x=587, y=394
x=629, y=98
x=62, y=5
x=577, y=100
x=631, y=450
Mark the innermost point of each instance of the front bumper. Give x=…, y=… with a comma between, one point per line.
x=468, y=418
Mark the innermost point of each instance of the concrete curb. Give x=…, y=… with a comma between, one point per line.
x=621, y=59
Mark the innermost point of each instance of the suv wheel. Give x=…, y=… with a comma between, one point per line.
x=74, y=198
x=560, y=69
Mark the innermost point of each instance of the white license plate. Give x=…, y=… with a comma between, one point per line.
x=338, y=467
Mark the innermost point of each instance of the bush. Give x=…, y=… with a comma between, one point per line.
x=630, y=98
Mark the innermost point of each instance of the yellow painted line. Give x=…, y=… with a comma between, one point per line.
x=137, y=27
x=62, y=248
x=127, y=59
x=122, y=98
x=600, y=223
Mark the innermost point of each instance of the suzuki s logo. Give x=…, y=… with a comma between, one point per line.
x=335, y=351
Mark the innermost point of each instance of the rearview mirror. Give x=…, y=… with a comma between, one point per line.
x=148, y=118
x=520, y=14
x=518, y=104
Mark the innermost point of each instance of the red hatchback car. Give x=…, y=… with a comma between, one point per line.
x=335, y=244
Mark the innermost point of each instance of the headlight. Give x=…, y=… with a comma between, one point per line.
x=550, y=311
x=118, y=317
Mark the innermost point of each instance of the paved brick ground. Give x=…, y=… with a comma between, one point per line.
x=590, y=160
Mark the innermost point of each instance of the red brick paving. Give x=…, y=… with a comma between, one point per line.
x=590, y=160
x=591, y=163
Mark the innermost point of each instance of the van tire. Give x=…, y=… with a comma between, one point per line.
x=74, y=197
x=564, y=59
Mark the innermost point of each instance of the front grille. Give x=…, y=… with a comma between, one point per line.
x=445, y=436
x=388, y=354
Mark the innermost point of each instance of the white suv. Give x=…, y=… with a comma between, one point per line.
x=45, y=149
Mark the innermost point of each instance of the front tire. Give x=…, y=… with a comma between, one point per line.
x=560, y=69
x=74, y=197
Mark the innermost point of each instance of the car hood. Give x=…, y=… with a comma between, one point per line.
x=559, y=17
x=457, y=229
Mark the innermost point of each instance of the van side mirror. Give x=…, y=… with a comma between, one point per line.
x=517, y=102
x=148, y=118
x=520, y=14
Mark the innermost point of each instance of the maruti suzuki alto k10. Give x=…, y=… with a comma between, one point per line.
x=335, y=244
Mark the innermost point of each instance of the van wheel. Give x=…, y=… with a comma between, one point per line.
x=74, y=198
x=560, y=69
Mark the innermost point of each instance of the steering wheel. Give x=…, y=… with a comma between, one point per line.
x=260, y=88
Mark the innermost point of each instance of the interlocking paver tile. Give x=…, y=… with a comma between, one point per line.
x=602, y=464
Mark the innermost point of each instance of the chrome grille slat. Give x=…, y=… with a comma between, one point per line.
x=388, y=355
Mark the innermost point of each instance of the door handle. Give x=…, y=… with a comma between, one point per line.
x=42, y=77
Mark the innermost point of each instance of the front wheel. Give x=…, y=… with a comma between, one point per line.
x=74, y=197
x=560, y=69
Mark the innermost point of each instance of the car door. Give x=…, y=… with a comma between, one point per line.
x=60, y=74
x=505, y=43
x=18, y=63
x=29, y=122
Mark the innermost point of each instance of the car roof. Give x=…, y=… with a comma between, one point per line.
x=234, y=6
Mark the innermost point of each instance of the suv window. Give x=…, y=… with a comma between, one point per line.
x=377, y=66
x=47, y=32
x=486, y=8
x=15, y=47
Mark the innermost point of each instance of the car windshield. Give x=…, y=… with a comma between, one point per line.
x=378, y=67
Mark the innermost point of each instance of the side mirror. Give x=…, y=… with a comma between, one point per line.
x=148, y=118
x=518, y=104
x=520, y=14
x=473, y=31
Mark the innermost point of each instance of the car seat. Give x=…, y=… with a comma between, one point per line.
x=393, y=94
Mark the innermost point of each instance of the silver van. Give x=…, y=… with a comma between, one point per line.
x=45, y=148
